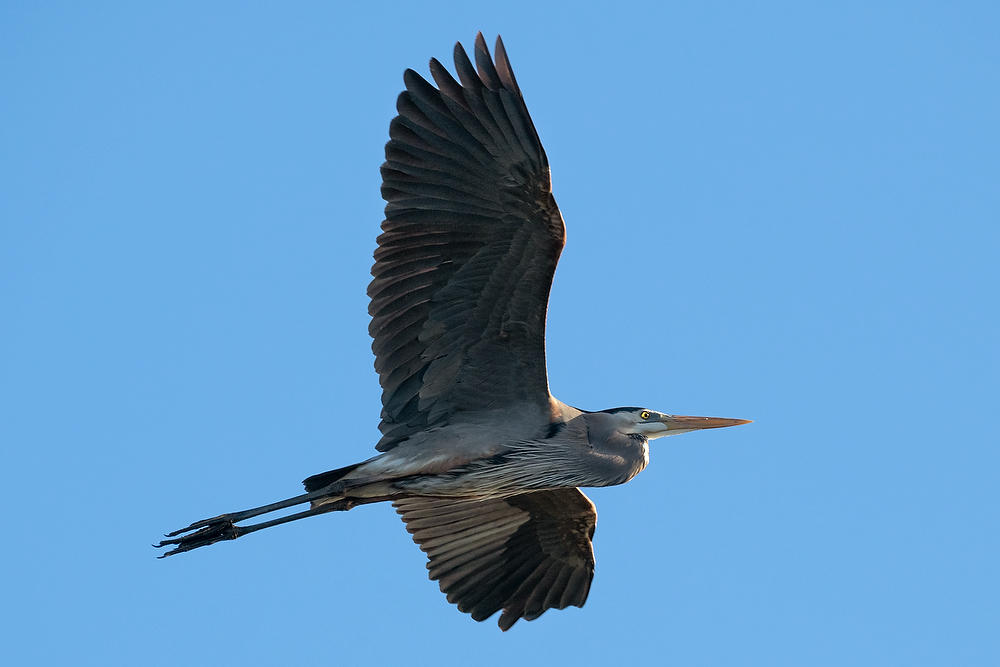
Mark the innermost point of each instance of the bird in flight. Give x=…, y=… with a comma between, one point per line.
x=481, y=462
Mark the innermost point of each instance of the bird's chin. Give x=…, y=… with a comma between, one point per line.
x=661, y=433
x=677, y=431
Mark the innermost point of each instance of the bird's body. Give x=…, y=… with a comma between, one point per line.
x=469, y=461
x=480, y=460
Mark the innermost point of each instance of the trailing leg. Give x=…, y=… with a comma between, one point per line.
x=223, y=527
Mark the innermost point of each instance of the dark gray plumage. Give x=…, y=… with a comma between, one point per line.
x=470, y=243
x=478, y=458
x=523, y=554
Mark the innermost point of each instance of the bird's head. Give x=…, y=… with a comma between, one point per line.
x=653, y=424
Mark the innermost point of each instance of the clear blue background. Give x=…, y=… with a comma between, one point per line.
x=776, y=211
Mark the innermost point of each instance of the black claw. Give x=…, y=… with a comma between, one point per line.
x=203, y=523
x=193, y=526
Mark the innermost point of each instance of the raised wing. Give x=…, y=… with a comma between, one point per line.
x=523, y=554
x=470, y=241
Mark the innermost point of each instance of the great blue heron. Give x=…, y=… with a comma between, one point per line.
x=481, y=461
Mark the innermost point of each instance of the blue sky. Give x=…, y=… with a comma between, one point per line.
x=785, y=212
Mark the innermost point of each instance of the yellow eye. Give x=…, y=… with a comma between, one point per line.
x=644, y=414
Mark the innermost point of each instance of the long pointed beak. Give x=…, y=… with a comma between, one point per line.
x=684, y=423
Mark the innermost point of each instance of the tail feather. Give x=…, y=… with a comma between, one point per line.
x=317, y=482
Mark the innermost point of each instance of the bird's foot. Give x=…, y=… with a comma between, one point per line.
x=206, y=531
